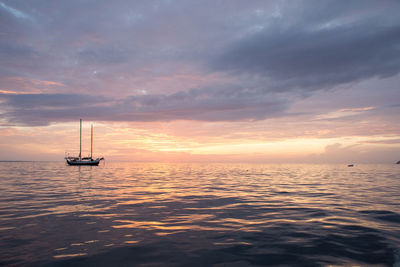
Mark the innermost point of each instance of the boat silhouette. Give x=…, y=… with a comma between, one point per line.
x=84, y=160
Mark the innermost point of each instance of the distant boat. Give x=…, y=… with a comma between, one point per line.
x=86, y=160
x=350, y=165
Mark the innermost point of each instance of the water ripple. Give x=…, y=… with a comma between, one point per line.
x=192, y=214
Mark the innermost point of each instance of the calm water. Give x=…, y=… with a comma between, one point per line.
x=199, y=215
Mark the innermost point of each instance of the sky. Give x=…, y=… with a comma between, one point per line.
x=201, y=81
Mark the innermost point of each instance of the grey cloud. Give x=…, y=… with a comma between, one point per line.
x=207, y=107
x=42, y=109
x=10, y=52
x=45, y=101
x=317, y=59
x=15, y=12
x=104, y=55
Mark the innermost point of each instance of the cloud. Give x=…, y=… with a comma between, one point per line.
x=314, y=45
x=316, y=59
x=257, y=49
x=384, y=142
x=203, y=105
x=342, y=113
x=15, y=12
x=104, y=55
x=49, y=101
x=339, y=153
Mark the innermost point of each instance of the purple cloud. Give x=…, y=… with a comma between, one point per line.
x=42, y=109
x=266, y=55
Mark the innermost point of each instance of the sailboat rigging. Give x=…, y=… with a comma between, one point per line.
x=84, y=160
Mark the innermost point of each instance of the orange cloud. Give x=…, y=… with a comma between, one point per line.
x=26, y=85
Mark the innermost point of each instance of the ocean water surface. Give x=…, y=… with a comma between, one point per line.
x=145, y=214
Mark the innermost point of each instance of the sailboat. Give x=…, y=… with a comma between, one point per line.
x=84, y=160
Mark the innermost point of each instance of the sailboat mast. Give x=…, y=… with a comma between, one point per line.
x=91, y=143
x=80, y=140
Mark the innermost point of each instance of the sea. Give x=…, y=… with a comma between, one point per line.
x=178, y=214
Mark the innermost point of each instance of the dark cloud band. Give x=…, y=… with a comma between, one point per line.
x=316, y=59
x=42, y=109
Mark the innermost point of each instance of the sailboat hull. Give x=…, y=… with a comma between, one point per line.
x=84, y=162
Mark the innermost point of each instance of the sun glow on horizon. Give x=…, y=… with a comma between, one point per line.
x=118, y=141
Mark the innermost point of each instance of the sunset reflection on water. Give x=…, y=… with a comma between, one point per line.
x=248, y=214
